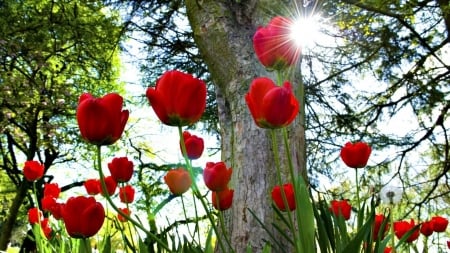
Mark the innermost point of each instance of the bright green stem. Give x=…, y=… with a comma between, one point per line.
x=109, y=200
x=391, y=215
x=196, y=192
x=280, y=183
x=358, y=205
x=37, y=232
x=85, y=246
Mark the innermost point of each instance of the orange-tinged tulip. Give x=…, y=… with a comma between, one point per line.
x=274, y=44
x=216, y=176
x=101, y=120
x=355, y=155
x=277, y=197
x=178, y=181
x=271, y=106
x=222, y=200
x=178, y=99
x=83, y=216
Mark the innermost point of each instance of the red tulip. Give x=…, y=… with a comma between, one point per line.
x=125, y=211
x=178, y=181
x=47, y=203
x=274, y=45
x=126, y=194
x=402, y=227
x=45, y=226
x=271, y=106
x=34, y=215
x=52, y=189
x=439, y=223
x=448, y=244
x=341, y=207
x=216, y=176
x=121, y=169
x=111, y=186
x=56, y=211
x=92, y=186
x=387, y=250
x=178, y=99
x=33, y=170
x=379, y=220
x=427, y=228
x=83, y=216
x=194, y=145
x=101, y=120
x=222, y=200
x=277, y=197
x=355, y=155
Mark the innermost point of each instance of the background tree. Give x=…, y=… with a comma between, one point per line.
x=50, y=53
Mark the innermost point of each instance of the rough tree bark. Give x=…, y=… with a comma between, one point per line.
x=223, y=31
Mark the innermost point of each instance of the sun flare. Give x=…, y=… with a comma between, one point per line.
x=305, y=31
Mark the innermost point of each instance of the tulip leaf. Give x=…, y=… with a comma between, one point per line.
x=106, y=244
x=142, y=246
x=208, y=244
x=305, y=216
x=355, y=244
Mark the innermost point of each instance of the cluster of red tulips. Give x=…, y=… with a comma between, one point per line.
x=272, y=105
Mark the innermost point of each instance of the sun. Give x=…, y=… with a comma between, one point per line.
x=305, y=31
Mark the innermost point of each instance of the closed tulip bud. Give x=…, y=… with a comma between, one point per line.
x=101, y=120
x=277, y=197
x=178, y=181
x=121, y=169
x=34, y=215
x=126, y=194
x=111, y=186
x=178, y=99
x=271, y=106
x=125, y=211
x=427, y=228
x=194, y=145
x=274, y=45
x=355, y=155
x=439, y=223
x=92, y=186
x=222, y=200
x=83, y=216
x=216, y=176
x=52, y=189
x=403, y=227
x=341, y=208
x=33, y=170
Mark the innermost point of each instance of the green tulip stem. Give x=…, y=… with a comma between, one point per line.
x=196, y=191
x=37, y=232
x=391, y=216
x=357, y=189
x=109, y=200
x=85, y=246
x=280, y=183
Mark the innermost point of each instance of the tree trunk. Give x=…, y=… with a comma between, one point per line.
x=8, y=225
x=223, y=31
